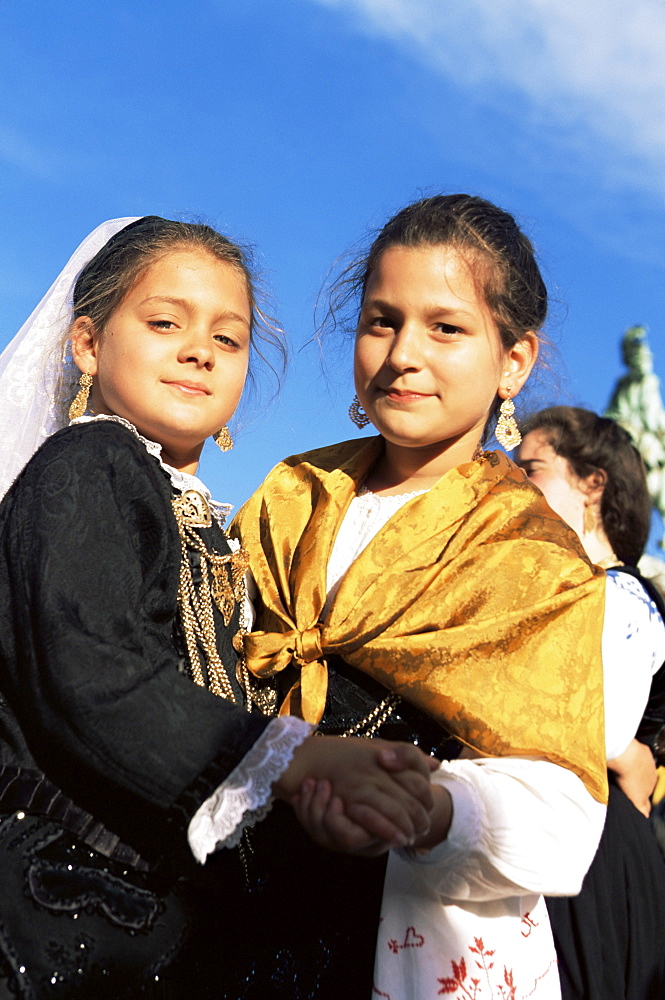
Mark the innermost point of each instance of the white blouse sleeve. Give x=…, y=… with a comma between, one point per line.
x=518, y=826
x=633, y=649
x=245, y=797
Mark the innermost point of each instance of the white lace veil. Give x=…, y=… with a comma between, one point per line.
x=36, y=364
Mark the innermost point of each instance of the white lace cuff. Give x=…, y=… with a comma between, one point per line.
x=245, y=797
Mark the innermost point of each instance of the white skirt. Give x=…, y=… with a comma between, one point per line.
x=427, y=947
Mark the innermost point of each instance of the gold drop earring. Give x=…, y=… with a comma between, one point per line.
x=357, y=414
x=223, y=439
x=589, y=520
x=80, y=401
x=507, y=432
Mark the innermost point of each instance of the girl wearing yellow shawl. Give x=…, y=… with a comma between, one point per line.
x=412, y=584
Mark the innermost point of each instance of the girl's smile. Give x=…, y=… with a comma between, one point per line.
x=189, y=388
x=403, y=395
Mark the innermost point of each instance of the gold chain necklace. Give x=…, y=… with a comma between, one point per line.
x=370, y=724
x=222, y=582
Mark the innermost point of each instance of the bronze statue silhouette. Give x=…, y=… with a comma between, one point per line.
x=637, y=405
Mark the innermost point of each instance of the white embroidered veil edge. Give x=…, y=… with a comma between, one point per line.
x=35, y=362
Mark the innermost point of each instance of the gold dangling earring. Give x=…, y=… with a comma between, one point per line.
x=507, y=432
x=357, y=414
x=223, y=439
x=80, y=400
x=589, y=520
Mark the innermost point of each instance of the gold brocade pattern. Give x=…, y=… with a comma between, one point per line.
x=475, y=602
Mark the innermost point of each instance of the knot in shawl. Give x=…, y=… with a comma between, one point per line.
x=271, y=652
x=475, y=602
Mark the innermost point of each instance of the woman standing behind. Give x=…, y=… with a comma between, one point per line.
x=610, y=938
x=413, y=585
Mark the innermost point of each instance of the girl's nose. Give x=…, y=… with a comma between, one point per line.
x=406, y=350
x=198, y=347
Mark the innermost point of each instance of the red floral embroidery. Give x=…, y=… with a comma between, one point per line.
x=452, y=984
x=484, y=954
x=510, y=983
x=465, y=985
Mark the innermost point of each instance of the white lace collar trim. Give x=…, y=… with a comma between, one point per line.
x=181, y=480
x=401, y=498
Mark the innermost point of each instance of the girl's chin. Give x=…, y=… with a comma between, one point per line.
x=428, y=443
x=415, y=441
x=403, y=427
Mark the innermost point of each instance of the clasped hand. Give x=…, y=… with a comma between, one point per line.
x=358, y=795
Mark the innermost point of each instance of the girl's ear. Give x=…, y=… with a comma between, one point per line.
x=519, y=361
x=594, y=485
x=84, y=345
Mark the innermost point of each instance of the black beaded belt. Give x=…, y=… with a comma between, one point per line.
x=24, y=790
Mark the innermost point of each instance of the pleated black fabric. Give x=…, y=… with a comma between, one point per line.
x=610, y=940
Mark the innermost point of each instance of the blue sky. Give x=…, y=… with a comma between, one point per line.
x=298, y=124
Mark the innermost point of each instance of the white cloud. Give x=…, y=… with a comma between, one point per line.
x=593, y=67
x=39, y=161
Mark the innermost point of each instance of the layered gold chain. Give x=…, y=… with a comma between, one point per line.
x=222, y=582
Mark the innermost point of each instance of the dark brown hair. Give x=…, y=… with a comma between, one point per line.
x=502, y=256
x=589, y=444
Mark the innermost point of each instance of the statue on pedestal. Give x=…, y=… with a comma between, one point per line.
x=637, y=405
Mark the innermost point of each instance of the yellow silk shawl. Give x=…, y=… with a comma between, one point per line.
x=475, y=602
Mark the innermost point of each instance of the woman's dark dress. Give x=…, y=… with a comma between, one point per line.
x=98, y=719
x=610, y=939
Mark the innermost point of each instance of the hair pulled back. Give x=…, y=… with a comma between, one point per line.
x=500, y=256
x=112, y=273
x=589, y=444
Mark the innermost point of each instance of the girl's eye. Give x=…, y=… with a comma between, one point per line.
x=161, y=324
x=448, y=329
x=223, y=338
x=382, y=322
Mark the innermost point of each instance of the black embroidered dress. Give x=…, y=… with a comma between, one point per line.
x=107, y=747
